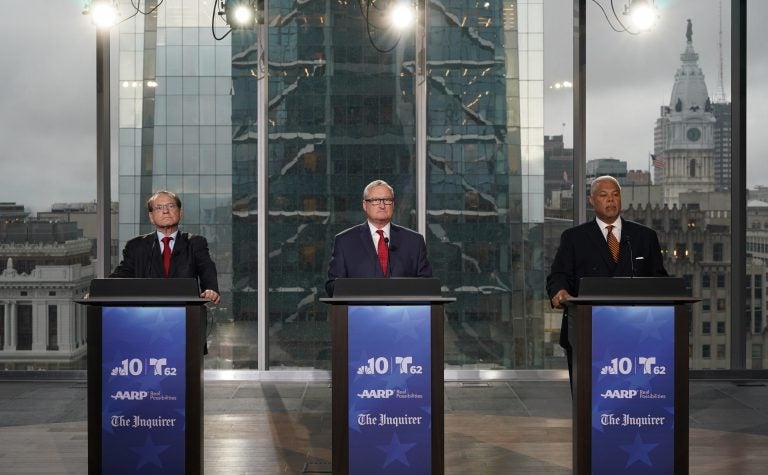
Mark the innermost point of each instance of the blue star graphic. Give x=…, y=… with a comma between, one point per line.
x=650, y=322
x=396, y=451
x=638, y=451
x=149, y=453
x=411, y=324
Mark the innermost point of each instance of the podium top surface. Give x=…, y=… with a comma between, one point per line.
x=144, y=291
x=164, y=288
x=387, y=287
x=388, y=300
x=391, y=290
x=607, y=299
x=628, y=290
x=632, y=286
x=103, y=301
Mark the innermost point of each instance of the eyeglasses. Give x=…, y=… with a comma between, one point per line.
x=163, y=207
x=379, y=201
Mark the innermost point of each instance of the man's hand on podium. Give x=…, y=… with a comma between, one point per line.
x=211, y=295
x=560, y=297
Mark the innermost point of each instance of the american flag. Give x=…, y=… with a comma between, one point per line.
x=658, y=162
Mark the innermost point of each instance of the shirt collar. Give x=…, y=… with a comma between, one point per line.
x=160, y=235
x=373, y=229
x=602, y=224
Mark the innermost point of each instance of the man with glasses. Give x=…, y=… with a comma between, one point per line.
x=378, y=248
x=166, y=252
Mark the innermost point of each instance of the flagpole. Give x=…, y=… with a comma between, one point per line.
x=650, y=178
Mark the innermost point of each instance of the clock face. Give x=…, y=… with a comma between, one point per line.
x=693, y=134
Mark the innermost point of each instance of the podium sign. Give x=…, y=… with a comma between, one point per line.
x=633, y=389
x=143, y=393
x=390, y=425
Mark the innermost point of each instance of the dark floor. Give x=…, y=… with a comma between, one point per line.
x=490, y=428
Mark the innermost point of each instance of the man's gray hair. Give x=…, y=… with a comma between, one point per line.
x=173, y=196
x=603, y=178
x=374, y=184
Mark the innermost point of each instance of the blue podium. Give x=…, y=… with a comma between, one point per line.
x=387, y=376
x=145, y=380
x=630, y=375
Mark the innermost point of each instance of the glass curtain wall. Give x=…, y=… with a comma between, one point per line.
x=664, y=132
x=757, y=194
x=175, y=133
x=485, y=201
x=341, y=114
x=47, y=195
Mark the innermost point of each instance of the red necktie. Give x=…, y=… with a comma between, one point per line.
x=383, y=252
x=166, y=256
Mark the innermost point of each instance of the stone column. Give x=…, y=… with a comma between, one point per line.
x=6, y=324
x=13, y=325
x=39, y=326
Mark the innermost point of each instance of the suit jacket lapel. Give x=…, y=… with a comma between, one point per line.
x=624, y=267
x=394, y=238
x=599, y=243
x=155, y=256
x=178, y=247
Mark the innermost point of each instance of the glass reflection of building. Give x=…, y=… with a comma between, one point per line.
x=486, y=164
x=341, y=114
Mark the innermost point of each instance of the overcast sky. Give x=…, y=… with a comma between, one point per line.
x=47, y=93
x=630, y=77
x=47, y=104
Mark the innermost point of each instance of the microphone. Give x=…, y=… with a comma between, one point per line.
x=390, y=249
x=628, y=240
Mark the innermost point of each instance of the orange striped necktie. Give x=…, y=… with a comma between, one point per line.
x=613, y=243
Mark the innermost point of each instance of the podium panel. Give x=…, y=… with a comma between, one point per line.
x=633, y=389
x=387, y=376
x=630, y=376
x=390, y=423
x=143, y=394
x=145, y=383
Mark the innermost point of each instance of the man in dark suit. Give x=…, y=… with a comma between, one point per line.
x=378, y=248
x=586, y=251
x=166, y=252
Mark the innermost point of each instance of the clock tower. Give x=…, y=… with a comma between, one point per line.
x=684, y=134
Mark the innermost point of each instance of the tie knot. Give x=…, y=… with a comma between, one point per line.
x=609, y=227
x=167, y=239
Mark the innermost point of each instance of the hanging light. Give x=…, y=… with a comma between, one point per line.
x=402, y=15
x=241, y=13
x=104, y=13
x=642, y=14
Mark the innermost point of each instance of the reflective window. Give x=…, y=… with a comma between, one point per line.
x=487, y=180
x=47, y=187
x=757, y=194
